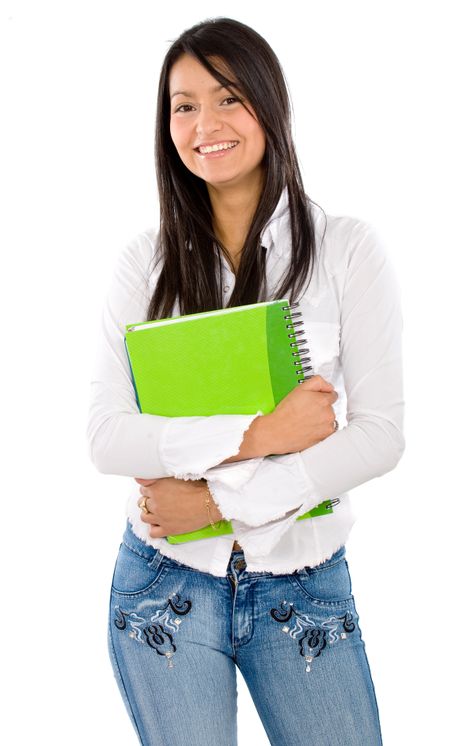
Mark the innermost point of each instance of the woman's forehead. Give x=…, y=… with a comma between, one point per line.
x=188, y=70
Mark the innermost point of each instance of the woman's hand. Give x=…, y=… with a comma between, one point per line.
x=176, y=506
x=303, y=418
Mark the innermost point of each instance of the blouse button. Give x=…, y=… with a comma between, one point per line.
x=227, y=287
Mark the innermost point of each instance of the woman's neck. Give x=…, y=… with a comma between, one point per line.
x=233, y=212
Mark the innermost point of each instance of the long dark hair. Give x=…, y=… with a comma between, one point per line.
x=188, y=247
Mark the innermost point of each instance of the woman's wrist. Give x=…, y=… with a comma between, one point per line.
x=213, y=510
x=256, y=442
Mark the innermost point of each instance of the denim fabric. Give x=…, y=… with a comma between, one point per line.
x=177, y=634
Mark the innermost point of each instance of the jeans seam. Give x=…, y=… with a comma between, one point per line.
x=374, y=693
x=122, y=684
x=139, y=554
x=161, y=572
x=312, y=570
x=335, y=604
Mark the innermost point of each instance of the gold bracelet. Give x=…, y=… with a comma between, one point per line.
x=208, y=499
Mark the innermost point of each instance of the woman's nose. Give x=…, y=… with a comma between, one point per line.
x=208, y=121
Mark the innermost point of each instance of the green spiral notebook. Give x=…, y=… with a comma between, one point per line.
x=230, y=361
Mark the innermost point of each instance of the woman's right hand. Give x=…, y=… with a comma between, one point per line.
x=303, y=418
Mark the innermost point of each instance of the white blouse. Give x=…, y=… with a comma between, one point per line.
x=353, y=324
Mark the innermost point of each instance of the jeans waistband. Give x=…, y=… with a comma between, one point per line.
x=136, y=544
x=236, y=561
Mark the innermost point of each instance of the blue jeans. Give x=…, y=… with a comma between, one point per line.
x=177, y=634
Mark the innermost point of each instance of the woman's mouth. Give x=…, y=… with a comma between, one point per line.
x=219, y=148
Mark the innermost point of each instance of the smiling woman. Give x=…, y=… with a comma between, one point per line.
x=222, y=84
x=236, y=227
x=217, y=135
x=220, y=140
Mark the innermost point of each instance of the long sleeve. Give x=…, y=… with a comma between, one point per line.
x=121, y=439
x=283, y=487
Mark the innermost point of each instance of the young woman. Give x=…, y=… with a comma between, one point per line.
x=275, y=597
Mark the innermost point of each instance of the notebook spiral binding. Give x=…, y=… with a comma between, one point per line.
x=297, y=335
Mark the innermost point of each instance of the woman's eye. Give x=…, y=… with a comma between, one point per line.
x=183, y=108
x=232, y=100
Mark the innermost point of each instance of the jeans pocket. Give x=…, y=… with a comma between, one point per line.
x=135, y=574
x=326, y=584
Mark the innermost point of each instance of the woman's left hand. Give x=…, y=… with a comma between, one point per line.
x=175, y=506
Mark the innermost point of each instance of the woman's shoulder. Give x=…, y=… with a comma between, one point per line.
x=138, y=258
x=339, y=237
x=142, y=247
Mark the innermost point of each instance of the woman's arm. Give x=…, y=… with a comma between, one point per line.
x=124, y=441
x=371, y=356
x=121, y=439
x=372, y=442
x=303, y=418
x=177, y=506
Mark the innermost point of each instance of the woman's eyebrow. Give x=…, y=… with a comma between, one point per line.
x=214, y=89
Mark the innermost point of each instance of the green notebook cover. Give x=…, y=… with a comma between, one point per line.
x=230, y=361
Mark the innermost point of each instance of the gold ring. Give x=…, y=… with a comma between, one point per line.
x=143, y=505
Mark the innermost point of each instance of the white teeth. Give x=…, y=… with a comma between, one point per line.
x=213, y=148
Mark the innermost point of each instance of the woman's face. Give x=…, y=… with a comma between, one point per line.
x=215, y=136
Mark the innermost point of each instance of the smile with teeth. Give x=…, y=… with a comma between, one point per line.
x=204, y=149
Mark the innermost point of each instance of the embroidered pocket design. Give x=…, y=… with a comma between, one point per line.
x=312, y=636
x=158, y=632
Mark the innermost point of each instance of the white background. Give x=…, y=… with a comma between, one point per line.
x=78, y=89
